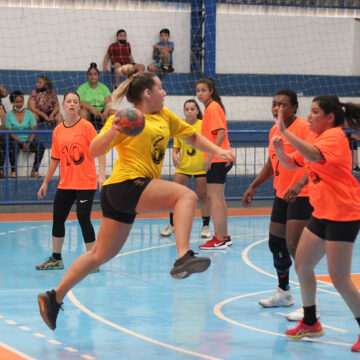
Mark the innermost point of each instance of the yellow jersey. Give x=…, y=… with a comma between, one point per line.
x=143, y=155
x=191, y=159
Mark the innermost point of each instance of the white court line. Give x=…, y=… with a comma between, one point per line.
x=76, y=302
x=219, y=314
x=250, y=264
x=153, y=247
x=39, y=335
x=7, y=347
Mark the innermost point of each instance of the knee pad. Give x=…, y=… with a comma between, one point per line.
x=281, y=255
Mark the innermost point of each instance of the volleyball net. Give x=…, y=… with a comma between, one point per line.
x=250, y=47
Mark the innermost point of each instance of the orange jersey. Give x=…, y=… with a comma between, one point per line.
x=214, y=120
x=333, y=191
x=71, y=145
x=283, y=177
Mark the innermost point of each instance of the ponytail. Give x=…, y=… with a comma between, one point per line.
x=342, y=111
x=135, y=84
x=352, y=115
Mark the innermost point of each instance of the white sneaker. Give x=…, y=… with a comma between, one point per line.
x=280, y=298
x=205, y=232
x=167, y=231
x=298, y=314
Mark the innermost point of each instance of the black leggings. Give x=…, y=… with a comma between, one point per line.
x=63, y=202
x=35, y=147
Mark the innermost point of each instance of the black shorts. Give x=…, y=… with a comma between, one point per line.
x=217, y=172
x=119, y=201
x=195, y=176
x=282, y=210
x=334, y=230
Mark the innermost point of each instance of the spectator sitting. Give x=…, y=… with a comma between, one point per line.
x=120, y=54
x=353, y=138
x=44, y=103
x=162, y=54
x=3, y=93
x=95, y=98
x=21, y=118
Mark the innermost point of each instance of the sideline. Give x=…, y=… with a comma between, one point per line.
x=96, y=215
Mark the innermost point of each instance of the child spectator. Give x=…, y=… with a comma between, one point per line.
x=43, y=102
x=120, y=54
x=162, y=54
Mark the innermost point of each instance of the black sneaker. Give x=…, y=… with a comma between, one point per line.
x=170, y=69
x=189, y=264
x=49, y=308
x=164, y=69
x=356, y=169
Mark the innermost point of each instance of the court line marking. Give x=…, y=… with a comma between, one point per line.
x=39, y=336
x=256, y=268
x=15, y=351
x=217, y=311
x=76, y=302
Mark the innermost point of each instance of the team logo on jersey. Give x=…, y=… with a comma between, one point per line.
x=158, y=150
x=314, y=177
x=191, y=151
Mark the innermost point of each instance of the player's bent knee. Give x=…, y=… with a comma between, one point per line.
x=281, y=255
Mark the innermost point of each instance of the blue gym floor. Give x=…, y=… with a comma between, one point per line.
x=134, y=309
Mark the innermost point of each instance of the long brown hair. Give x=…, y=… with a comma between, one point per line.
x=349, y=111
x=135, y=84
x=210, y=83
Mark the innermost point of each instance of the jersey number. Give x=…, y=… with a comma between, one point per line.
x=75, y=154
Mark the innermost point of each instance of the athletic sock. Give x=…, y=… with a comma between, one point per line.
x=310, y=315
x=56, y=256
x=171, y=219
x=283, y=277
x=206, y=220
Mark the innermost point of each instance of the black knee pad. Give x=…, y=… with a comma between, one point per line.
x=281, y=255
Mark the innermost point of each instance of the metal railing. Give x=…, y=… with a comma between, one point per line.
x=250, y=148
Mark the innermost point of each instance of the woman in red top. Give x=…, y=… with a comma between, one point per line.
x=335, y=195
x=214, y=128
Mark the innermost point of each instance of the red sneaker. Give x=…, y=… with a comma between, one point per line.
x=356, y=346
x=214, y=244
x=227, y=240
x=303, y=330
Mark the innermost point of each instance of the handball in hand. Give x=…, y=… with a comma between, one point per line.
x=131, y=121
